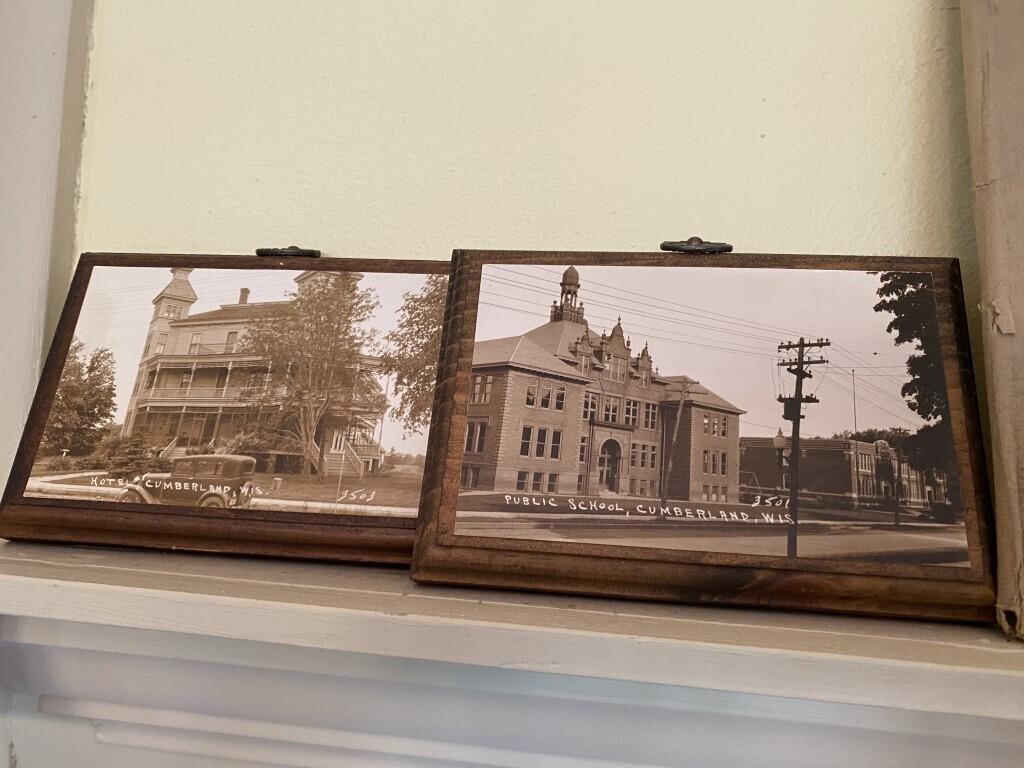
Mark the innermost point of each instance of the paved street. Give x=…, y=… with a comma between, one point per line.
x=734, y=528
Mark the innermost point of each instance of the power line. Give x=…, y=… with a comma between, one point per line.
x=752, y=350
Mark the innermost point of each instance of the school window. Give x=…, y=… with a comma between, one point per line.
x=161, y=343
x=553, y=482
x=585, y=365
x=632, y=454
x=545, y=396
x=616, y=369
x=579, y=483
x=706, y=461
x=724, y=472
x=723, y=496
x=560, y=398
x=714, y=493
x=556, y=443
x=193, y=346
x=475, y=433
x=149, y=341
x=714, y=427
x=583, y=449
x=714, y=462
x=542, y=442
x=470, y=476
x=524, y=445
x=705, y=492
x=643, y=457
x=531, y=393
x=229, y=345
x=643, y=487
x=650, y=416
x=632, y=486
x=611, y=410
x=590, y=405
x=654, y=457
x=707, y=424
x=632, y=412
x=538, y=481
x=521, y=479
x=654, y=487
x=482, y=389
x=725, y=426
x=186, y=380
x=645, y=379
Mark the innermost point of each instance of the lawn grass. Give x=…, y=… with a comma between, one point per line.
x=397, y=489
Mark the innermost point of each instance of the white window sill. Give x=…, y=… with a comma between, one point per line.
x=77, y=624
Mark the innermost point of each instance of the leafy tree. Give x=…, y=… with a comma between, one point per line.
x=411, y=352
x=895, y=436
x=83, y=405
x=910, y=299
x=314, y=347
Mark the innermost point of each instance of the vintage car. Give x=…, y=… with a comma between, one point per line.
x=214, y=480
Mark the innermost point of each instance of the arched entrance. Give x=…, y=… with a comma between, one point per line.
x=609, y=462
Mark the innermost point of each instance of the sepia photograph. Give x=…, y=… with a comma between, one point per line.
x=757, y=411
x=256, y=390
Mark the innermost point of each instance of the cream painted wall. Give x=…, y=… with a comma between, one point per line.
x=404, y=129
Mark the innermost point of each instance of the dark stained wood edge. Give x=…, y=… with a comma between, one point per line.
x=898, y=590
x=343, y=537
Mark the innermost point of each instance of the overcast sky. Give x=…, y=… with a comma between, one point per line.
x=119, y=305
x=723, y=327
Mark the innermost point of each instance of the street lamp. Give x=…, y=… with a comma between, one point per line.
x=779, y=443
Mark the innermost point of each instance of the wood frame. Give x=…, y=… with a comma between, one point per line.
x=892, y=589
x=348, y=537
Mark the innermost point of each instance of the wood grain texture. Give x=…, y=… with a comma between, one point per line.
x=343, y=537
x=909, y=590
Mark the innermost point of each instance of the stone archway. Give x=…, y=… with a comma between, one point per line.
x=609, y=466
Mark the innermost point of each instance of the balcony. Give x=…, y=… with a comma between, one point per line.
x=197, y=393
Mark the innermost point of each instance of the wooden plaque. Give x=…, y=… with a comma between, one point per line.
x=798, y=432
x=234, y=404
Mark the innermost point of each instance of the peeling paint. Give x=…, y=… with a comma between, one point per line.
x=1002, y=316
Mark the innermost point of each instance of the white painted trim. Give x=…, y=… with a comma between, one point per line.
x=911, y=666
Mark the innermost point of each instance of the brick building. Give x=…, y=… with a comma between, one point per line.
x=563, y=409
x=195, y=389
x=845, y=473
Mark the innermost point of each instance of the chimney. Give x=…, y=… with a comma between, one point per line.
x=243, y=296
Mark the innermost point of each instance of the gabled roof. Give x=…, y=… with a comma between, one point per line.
x=521, y=352
x=558, y=336
x=698, y=394
x=235, y=313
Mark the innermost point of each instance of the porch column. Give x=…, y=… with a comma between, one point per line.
x=181, y=420
x=227, y=380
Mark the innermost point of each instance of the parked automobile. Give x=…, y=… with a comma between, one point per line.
x=214, y=480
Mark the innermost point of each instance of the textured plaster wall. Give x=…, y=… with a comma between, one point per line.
x=405, y=129
x=34, y=51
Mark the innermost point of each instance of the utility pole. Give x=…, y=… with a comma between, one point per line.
x=853, y=379
x=668, y=457
x=800, y=368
